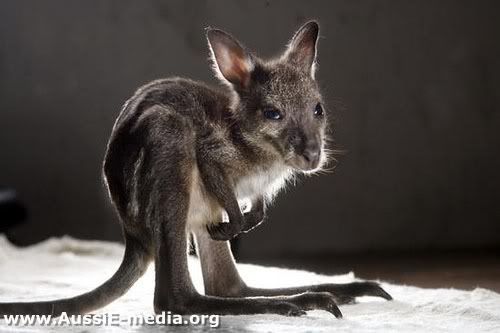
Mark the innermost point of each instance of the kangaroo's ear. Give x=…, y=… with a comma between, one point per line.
x=231, y=61
x=301, y=50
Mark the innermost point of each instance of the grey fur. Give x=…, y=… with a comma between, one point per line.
x=181, y=154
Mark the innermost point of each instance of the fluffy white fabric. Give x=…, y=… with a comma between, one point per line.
x=65, y=266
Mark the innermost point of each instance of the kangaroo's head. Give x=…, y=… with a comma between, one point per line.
x=276, y=103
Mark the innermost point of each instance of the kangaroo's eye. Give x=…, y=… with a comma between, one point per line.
x=318, y=110
x=273, y=114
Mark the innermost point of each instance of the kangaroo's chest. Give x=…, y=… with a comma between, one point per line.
x=261, y=182
x=204, y=209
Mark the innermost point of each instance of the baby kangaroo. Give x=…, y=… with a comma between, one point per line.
x=182, y=155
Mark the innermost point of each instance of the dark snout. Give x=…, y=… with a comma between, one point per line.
x=312, y=154
x=307, y=151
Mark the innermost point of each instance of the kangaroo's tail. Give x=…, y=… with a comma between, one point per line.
x=134, y=264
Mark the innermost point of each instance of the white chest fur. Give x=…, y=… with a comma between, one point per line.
x=262, y=182
x=202, y=209
x=265, y=181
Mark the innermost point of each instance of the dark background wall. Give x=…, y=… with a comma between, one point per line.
x=414, y=87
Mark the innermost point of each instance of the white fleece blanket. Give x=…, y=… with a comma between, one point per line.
x=65, y=266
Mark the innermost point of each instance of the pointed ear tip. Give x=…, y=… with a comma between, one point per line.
x=218, y=35
x=313, y=25
x=213, y=32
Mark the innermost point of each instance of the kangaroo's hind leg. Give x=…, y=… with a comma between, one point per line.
x=221, y=277
x=174, y=290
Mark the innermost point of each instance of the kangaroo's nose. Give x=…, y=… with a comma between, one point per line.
x=311, y=154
